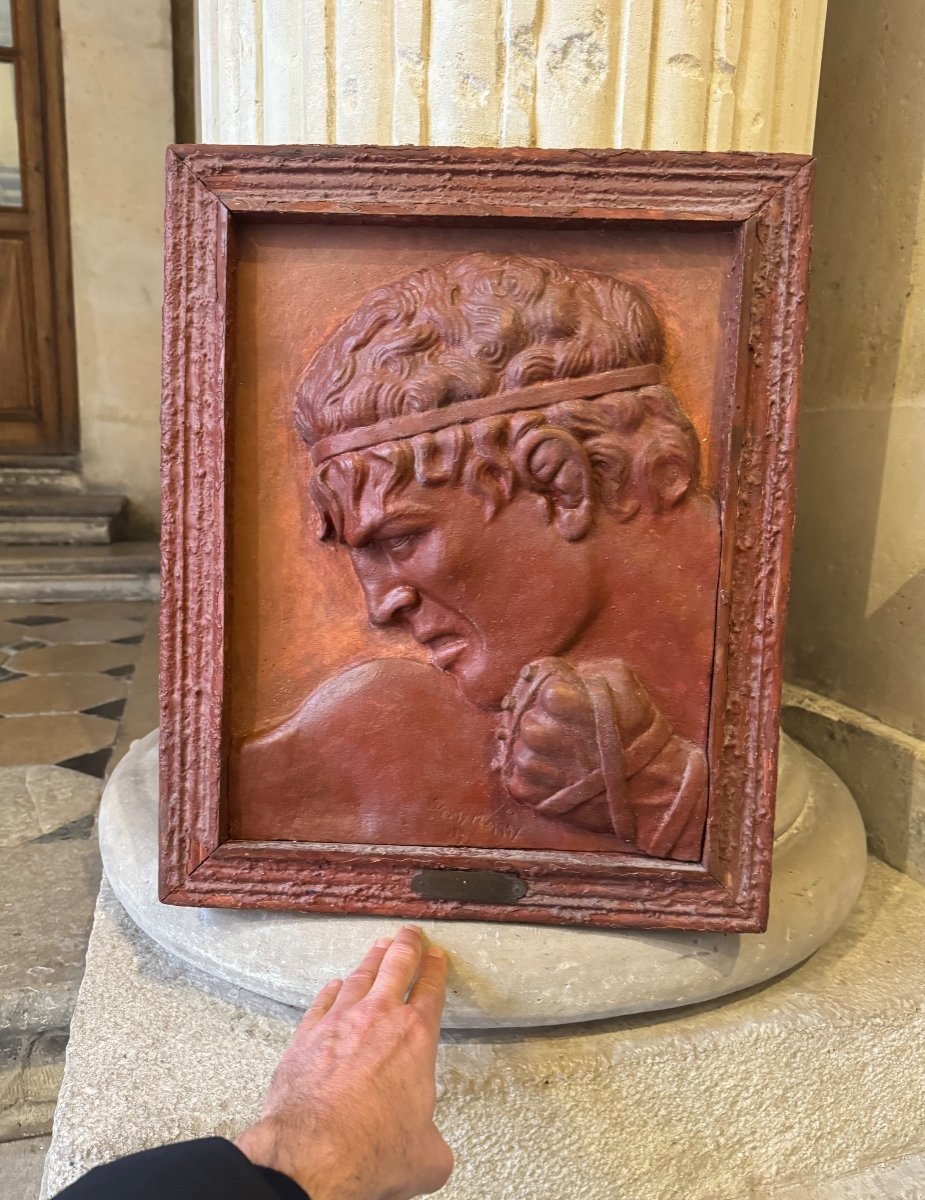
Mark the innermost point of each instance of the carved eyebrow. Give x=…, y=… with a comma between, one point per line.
x=374, y=529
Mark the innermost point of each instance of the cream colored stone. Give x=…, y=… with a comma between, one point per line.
x=363, y=97
x=510, y=974
x=296, y=82
x=21, y=1168
x=680, y=82
x=857, y=631
x=900, y=1179
x=885, y=766
x=856, y=635
x=59, y=693
x=521, y=40
x=464, y=79
x=634, y=77
x=89, y=656
x=38, y=800
x=409, y=104
x=691, y=74
x=26, y=740
x=816, y=1075
x=575, y=73
x=118, y=94
x=12, y=635
x=85, y=629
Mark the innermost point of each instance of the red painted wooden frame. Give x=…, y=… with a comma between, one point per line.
x=209, y=190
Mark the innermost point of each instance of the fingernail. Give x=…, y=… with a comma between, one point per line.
x=414, y=929
x=435, y=952
x=381, y=943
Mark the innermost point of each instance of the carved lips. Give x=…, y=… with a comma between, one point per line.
x=444, y=648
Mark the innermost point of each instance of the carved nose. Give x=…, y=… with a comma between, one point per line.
x=389, y=605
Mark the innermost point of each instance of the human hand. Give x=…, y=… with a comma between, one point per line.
x=349, y=1113
x=548, y=746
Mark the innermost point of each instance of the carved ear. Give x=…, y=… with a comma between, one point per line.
x=669, y=480
x=554, y=463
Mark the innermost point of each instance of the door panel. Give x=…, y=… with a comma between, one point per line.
x=38, y=401
x=18, y=352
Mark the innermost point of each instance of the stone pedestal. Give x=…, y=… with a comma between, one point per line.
x=813, y=1076
x=817, y=1074
x=510, y=974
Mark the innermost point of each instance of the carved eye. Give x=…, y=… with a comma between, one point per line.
x=400, y=546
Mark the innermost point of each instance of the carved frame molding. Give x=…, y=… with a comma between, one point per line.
x=766, y=199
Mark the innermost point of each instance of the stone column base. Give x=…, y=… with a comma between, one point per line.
x=507, y=974
x=813, y=1076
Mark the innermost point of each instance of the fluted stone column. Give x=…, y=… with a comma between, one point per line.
x=652, y=74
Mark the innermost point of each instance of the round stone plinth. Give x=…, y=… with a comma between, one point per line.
x=511, y=975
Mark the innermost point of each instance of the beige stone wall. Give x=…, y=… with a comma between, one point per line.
x=857, y=621
x=119, y=106
x=663, y=74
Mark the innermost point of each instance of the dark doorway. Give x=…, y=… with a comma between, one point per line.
x=38, y=377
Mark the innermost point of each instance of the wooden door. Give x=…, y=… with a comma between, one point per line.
x=38, y=394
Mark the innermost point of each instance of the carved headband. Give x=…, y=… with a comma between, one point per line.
x=537, y=395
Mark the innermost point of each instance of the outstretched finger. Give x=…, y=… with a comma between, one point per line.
x=428, y=995
x=399, y=965
x=321, y=1004
x=360, y=980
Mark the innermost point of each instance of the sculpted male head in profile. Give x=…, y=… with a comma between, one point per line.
x=497, y=452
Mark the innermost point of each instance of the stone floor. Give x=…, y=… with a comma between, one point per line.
x=67, y=671
x=21, y=1165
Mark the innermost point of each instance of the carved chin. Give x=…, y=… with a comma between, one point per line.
x=479, y=685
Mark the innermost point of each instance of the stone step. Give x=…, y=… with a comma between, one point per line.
x=46, y=473
x=58, y=518
x=120, y=571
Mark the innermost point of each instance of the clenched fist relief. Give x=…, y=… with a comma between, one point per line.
x=588, y=746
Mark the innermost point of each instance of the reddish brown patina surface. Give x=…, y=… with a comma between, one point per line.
x=575, y=528
x=492, y=517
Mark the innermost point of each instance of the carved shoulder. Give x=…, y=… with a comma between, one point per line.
x=384, y=696
x=381, y=752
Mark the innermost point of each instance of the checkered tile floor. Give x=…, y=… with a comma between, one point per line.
x=65, y=672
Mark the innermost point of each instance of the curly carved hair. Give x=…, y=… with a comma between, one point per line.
x=481, y=324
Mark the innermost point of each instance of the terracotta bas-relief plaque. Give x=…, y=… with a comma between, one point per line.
x=427, y=524
x=478, y=492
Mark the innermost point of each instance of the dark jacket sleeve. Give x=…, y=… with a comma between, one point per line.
x=207, y=1169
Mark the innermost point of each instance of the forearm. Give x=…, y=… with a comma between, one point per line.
x=669, y=797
